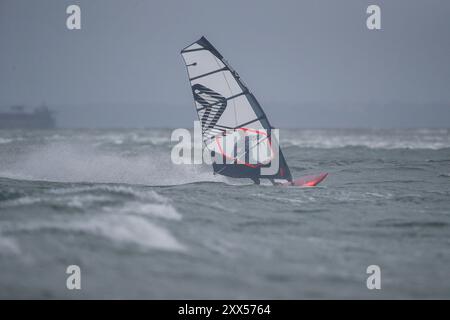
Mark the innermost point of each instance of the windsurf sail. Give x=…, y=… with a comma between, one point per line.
x=227, y=108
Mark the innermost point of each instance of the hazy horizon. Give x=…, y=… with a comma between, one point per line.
x=309, y=63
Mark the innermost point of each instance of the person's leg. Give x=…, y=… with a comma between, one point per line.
x=256, y=180
x=274, y=182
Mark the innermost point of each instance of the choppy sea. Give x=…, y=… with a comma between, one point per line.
x=138, y=226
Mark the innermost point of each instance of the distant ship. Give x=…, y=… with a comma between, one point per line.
x=18, y=117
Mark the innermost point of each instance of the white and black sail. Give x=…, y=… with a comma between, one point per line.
x=226, y=107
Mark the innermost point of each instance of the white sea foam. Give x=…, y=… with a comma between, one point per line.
x=8, y=245
x=375, y=139
x=68, y=162
x=72, y=201
x=129, y=229
x=114, y=189
x=5, y=140
x=158, y=210
x=119, y=137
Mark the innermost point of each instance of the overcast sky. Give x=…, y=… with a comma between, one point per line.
x=310, y=63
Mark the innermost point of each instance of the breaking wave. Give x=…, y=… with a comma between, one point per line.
x=122, y=214
x=121, y=230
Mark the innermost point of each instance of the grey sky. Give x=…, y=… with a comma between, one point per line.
x=314, y=60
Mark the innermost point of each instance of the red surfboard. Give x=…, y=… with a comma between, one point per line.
x=307, y=181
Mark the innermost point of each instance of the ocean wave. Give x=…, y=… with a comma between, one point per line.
x=111, y=189
x=123, y=214
x=102, y=198
x=121, y=230
x=129, y=229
